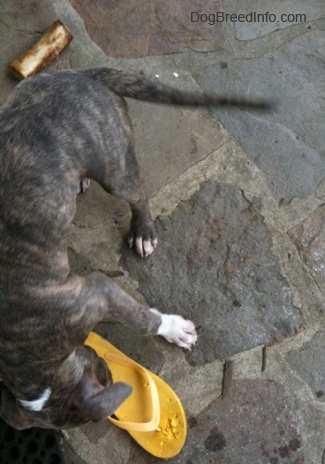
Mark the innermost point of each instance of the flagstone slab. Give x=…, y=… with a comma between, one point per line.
x=252, y=424
x=214, y=264
x=287, y=148
x=309, y=237
x=130, y=29
x=263, y=17
x=309, y=363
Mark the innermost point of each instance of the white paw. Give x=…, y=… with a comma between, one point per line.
x=144, y=247
x=176, y=329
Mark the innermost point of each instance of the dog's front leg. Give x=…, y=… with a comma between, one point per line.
x=103, y=300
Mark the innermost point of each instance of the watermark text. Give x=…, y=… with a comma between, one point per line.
x=251, y=17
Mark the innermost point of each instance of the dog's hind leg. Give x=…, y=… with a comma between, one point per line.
x=127, y=186
x=142, y=235
x=119, y=174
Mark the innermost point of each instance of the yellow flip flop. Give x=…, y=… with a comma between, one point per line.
x=153, y=414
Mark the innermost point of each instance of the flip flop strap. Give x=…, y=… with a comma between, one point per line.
x=153, y=423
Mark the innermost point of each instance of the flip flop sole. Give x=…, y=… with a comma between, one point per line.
x=167, y=426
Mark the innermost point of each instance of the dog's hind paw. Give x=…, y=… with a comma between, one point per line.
x=176, y=329
x=144, y=247
x=142, y=236
x=84, y=185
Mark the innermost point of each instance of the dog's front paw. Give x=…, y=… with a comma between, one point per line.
x=176, y=329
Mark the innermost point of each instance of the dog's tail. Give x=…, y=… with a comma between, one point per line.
x=151, y=90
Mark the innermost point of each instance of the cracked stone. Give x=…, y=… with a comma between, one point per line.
x=130, y=29
x=283, y=146
x=309, y=238
x=309, y=363
x=214, y=265
x=253, y=424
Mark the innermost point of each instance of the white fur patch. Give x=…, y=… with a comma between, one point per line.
x=176, y=329
x=37, y=405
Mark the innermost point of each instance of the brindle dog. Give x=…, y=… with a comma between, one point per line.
x=56, y=131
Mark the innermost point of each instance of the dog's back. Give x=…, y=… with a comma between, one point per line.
x=50, y=130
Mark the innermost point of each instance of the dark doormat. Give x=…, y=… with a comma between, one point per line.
x=30, y=446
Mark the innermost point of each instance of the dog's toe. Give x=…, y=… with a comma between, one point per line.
x=84, y=184
x=148, y=247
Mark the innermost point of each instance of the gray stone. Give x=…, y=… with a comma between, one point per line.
x=169, y=140
x=141, y=349
x=214, y=265
x=129, y=29
x=309, y=363
x=70, y=455
x=23, y=23
x=309, y=237
x=19, y=36
x=253, y=424
x=281, y=15
x=288, y=150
